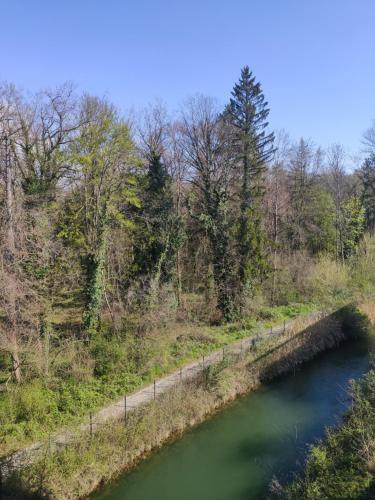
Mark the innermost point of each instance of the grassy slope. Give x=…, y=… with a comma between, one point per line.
x=86, y=462
x=122, y=365
x=342, y=466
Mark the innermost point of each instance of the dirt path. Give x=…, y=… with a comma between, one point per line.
x=139, y=398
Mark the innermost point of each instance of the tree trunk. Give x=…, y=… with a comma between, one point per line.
x=275, y=243
x=9, y=262
x=178, y=252
x=94, y=269
x=243, y=226
x=178, y=277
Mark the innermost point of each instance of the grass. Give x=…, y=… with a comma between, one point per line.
x=88, y=462
x=85, y=381
x=342, y=466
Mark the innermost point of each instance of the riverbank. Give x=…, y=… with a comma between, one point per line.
x=343, y=464
x=89, y=378
x=87, y=462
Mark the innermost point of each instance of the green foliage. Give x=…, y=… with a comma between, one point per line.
x=321, y=232
x=362, y=267
x=257, y=265
x=109, y=356
x=342, y=466
x=354, y=219
x=158, y=230
x=101, y=154
x=247, y=114
x=212, y=212
x=367, y=174
x=330, y=282
x=93, y=264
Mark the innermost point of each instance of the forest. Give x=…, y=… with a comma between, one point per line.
x=126, y=241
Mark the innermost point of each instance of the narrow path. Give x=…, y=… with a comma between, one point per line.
x=141, y=397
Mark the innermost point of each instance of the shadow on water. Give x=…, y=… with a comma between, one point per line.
x=234, y=455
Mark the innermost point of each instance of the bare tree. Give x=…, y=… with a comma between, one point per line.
x=11, y=283
x=337, y=183
x=303, y=168
x=277, y=199
x=48, y=124
x=174, y=157
x=204, y=141
x=369, y=139
x=153, y=130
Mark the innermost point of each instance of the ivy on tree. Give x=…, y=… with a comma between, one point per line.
x=247, y=114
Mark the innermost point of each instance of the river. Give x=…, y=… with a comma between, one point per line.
x=235, y=454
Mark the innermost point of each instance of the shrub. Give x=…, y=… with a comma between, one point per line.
x=108, y=355
x=329, y=282
x=341, y=466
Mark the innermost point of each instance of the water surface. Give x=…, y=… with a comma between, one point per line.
x=235, y=454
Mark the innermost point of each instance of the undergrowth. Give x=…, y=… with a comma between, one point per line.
x=342, y=466
x=113, y=365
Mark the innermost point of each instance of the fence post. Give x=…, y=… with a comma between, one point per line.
x=284, y=326
x=1, y=481
x=271, y=330
x=154, y=389
x=90, y=424
x=125, y=413
x=203, y=361
x=223, y=353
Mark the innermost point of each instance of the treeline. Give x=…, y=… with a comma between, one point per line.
x=105, y=218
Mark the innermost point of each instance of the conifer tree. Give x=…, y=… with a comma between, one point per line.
x=247, y=113
x=368, y=192
x=157, y=226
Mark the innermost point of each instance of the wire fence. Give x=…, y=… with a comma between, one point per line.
x=121, y=409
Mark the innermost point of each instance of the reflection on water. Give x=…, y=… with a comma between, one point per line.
x=234, y=455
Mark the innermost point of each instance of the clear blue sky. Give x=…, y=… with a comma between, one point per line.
x=315, y=58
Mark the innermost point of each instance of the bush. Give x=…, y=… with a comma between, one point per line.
x=108, y=354
x=330, y=282
x=363, y=268
x=342, y=466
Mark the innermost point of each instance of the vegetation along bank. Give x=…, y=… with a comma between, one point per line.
x=89, y=461
x=132, y=246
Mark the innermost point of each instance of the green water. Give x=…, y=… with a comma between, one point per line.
x=234, y=455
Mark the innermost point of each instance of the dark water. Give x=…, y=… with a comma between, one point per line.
x=234, y=455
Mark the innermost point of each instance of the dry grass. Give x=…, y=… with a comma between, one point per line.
x=368, y=309
x=84, y=465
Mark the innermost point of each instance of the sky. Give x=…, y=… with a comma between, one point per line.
x=314, y=58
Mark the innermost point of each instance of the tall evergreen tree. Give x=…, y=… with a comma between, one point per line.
x=247, y=113
x=157, y=226
x=368, y=192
